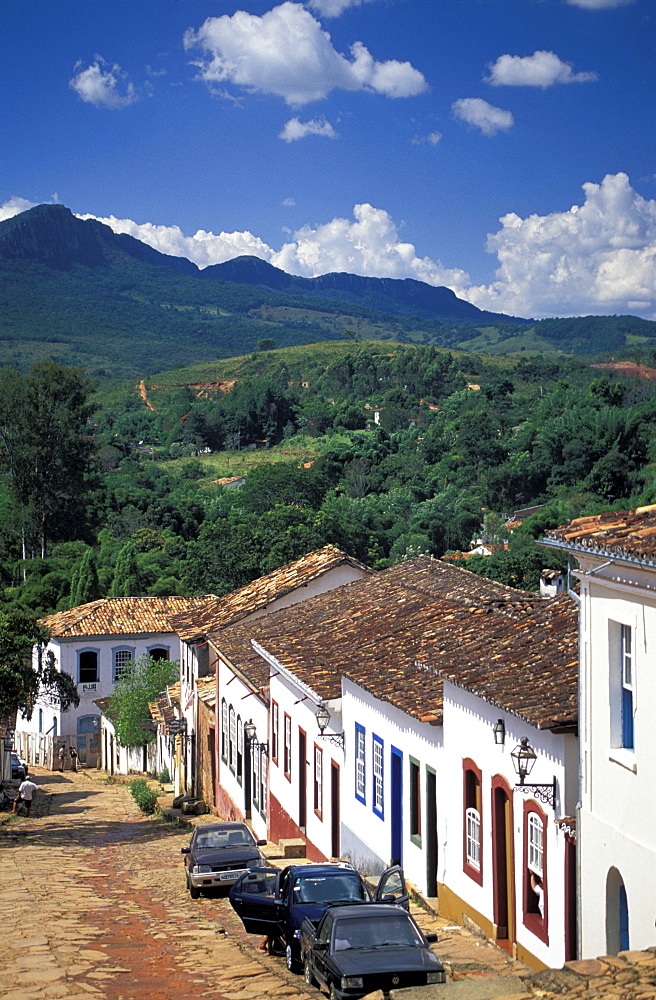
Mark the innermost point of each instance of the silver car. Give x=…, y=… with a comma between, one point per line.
x=219, y=854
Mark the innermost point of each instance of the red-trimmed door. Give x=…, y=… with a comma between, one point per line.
x=503, y=863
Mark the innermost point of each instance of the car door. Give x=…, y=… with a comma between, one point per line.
x=255, y=898
x=321, y=947
x=391, y=888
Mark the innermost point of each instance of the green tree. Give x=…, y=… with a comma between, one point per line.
x=128, y=705
x=126, y=582
x=85, y=585
x=21, y=680
x=42, y=417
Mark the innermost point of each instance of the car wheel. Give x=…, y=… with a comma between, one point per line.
x=334, y=995
x=290, y=961
x=309, y=976
x=194, y=891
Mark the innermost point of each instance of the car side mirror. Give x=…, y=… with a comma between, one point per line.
x=185, y=850
x=320, y=945
x=389, y=897
x=261, y=843
x=431, y=938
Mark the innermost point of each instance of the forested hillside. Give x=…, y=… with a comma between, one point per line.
x=75, y=292
x=384, y=450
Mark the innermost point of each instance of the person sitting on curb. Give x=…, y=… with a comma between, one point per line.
x=26, y=790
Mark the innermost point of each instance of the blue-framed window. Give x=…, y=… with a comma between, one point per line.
x=360, y=764
x=123, y=658
x=87, y=666
x=626, y=654
x=378, y=773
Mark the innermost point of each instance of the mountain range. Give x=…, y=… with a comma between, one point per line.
x=76, y=291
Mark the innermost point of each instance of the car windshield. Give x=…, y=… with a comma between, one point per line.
x=386, y=932
x=329, y=889
x=216, y=839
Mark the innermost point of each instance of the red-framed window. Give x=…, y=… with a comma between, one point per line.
x=275, y=722
x=318, y=781
x=472, y=821
x=287, y=747
x=535, y=889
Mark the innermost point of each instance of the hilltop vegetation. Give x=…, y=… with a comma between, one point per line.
x=75, y=292
x=384, y=450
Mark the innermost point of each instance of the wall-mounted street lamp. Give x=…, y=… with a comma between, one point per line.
x=250, y=732
x=523, y=758
x=499, y=731
x=323, y=718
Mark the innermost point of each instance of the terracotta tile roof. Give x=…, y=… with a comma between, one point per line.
x=376, y=630
x=628, y=534
x=166, y=706
x=439, y=578
x=528, y=667
x=206, y=688
x=120, y=616
x=218, y=612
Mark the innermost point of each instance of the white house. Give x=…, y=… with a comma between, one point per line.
x=95, y=643
x=200, y=632
x=616, y=553
x=512, y=867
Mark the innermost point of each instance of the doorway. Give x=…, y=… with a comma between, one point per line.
x=335, y=818
x=504, y=864
x=431, y=832
x=302, y=780
x=397, y=807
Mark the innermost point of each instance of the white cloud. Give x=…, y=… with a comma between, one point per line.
x=287, y=53
x=103, y=85
x=14, y=207
x=599, y=4
x=289, y=202
x=333, y=8
x=542, y=69
x=368, y=245
x=598, y=257
x=295, y=129
x=489, y=119
x=432, y=138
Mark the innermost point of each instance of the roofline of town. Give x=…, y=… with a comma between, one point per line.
x=286, y=673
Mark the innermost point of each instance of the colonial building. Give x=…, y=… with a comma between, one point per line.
x=96, y=643
x=616, y=554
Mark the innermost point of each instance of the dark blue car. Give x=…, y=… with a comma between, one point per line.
x=275, y=903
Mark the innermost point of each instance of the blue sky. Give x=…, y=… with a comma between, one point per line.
x=505, y=148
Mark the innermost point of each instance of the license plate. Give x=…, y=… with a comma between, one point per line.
x=231, y=876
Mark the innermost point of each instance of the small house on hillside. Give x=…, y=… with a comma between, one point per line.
x=96, y=643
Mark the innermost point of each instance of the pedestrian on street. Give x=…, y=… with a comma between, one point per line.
x=26, y=790
x=62, y=754
x=73, y=753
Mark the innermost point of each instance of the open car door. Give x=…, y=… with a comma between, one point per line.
x=256, y=901
x=391, y=888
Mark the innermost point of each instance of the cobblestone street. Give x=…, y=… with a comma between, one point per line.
x=95, y=905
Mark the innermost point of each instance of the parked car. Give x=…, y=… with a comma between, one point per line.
x=356, y=950
x=19, y=768
x=275, y=903
x=219, y=854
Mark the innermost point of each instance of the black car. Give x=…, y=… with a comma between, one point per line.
x=219, y=854
x=356, y=950
x=275, y=903
x=19, y=767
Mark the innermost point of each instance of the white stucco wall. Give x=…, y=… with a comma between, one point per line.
x=293, y=701
x=618, y=809
x=468, y=722
x=366, y=837
x=247, y=707
x=66, y=653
